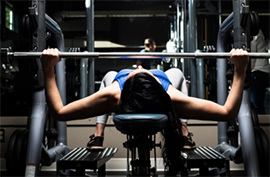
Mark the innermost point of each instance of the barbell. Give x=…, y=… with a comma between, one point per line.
x=6, y=55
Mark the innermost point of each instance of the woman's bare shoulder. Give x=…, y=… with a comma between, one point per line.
x=112, y=91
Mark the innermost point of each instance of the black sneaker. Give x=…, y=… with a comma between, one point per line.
x=188, y=144
x=95, y=142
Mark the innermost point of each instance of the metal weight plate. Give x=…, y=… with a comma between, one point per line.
x=10, y=156
x=262, y=145
x=20, y=152
x=254, y=115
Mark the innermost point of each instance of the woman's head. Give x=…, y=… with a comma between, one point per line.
x=143, y=94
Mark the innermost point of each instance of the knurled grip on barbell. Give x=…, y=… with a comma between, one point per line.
x=6, y=55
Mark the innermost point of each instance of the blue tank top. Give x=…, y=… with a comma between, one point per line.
x=121, y=77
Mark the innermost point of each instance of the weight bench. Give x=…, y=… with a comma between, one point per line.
x=203, y=158
x=140, y=130
x=80, y=159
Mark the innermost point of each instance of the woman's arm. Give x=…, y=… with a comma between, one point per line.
x=101, y=102
x=194, y=108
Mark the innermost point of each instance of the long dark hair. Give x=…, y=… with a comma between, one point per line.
x=143, y=94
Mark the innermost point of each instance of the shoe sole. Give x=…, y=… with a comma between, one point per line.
x=95, y=148
x=188, y=147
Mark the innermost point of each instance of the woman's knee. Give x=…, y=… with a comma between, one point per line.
x=108, y=78
x=174, y=72
x=176, y=77
x=110, y=74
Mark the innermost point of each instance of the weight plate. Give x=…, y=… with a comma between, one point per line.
x=262, y=145
x=20, y=152
x=10, y=156
x=254, y=115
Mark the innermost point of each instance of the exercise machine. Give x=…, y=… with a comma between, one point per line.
x=248, y=161
x=28, y=150
x=39, y=132
x=242, y=22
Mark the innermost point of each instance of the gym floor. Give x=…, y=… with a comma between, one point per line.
x=123, y=174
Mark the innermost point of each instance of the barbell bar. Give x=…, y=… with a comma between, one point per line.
x=7, y=55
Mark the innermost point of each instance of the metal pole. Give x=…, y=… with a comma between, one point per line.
x=58, y=40
x=83, y=77
x=37, y=116
x=222, y=40
x=181, y=37
x=186, y=39
x=171, y=31
x=223, y=35
x=60, y=77
x=248, y=143
x=193, y=46
x=176, y=37
x=37, y=119
x=177, y=26
x=186, y=28
x=200, y=77
x=89, y=4
x=219, y=13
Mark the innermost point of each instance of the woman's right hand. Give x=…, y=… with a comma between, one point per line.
x=49, y=58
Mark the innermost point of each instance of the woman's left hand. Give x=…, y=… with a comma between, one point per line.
x=49, y=58
x=240, y=59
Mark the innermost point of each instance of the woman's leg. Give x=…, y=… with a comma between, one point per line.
x=102, y=119
x=178, y=81
x=106, y=81
x=96, y=140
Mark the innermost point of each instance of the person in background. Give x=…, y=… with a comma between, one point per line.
x=260, y=69
x=150, y=46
